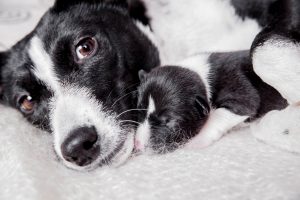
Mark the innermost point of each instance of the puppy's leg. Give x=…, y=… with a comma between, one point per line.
x=277, y=62
x=219, y=123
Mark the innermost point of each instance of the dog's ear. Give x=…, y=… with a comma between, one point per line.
x=61, y=5
x=3, y=58
x=142, y=75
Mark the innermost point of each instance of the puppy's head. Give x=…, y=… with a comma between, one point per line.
x=76, y=74
x=173, y=107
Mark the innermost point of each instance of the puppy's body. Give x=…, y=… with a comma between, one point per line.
x=225, y=81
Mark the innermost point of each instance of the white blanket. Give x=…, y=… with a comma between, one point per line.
x=237, y=167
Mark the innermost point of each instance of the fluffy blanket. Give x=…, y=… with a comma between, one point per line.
x=236, y=167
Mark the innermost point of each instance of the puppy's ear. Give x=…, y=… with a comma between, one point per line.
x=61, y=5
x=202, y=106
x=142, y=75
x=3, y=58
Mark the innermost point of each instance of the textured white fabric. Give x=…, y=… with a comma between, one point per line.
x=237, y=167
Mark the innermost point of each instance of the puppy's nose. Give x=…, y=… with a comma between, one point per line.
x=81, y=146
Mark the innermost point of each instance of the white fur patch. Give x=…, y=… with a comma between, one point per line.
x=42, y=64
x=199, y=64
x=184, y=28
x=277, y=62
x=144, y=130
x=75, y=108
x=220, y=121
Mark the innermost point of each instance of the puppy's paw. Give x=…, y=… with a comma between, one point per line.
x=199, y=142
x=280, y=128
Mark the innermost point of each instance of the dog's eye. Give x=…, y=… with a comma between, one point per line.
x=86, y=48
x=26, y=104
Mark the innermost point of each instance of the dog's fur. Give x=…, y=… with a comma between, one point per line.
x=223, y=83
x=99, y=92
x=235, y=92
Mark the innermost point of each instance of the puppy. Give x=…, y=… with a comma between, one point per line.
x=174, y=106
x=205, y=96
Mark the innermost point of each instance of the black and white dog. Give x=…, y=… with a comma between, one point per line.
x=75, y=75
x=204, y=96
x=208, y=94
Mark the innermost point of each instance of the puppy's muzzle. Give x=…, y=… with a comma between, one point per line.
x=81, y=147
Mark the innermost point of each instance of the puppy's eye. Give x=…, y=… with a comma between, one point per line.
x=86, y=48
x=26, y=104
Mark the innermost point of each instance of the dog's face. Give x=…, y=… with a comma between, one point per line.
x=76, y=74
x=173, y=107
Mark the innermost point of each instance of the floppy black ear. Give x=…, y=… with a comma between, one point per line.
x=61, y=5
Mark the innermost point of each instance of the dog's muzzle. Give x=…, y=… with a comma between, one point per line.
x=81, y=147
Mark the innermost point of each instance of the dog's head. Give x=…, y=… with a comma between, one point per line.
x=76, y=74
x=173, y=108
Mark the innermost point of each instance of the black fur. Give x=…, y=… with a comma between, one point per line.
x=124, y=50
x=181, y=103
x=285, y=27
x=235, y=86
x=254, y=9
x=181, y=106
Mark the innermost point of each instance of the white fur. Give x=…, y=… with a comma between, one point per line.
x=220, y=121
x=42, y=64
x=277, y=62
x=144, y=130
x=73, y=107
x=185, y=28
x=199, y=64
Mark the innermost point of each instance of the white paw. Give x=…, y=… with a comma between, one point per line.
x=280, y=128
x=199, y=142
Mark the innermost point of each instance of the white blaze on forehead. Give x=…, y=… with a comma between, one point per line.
x=42, y=64
x=144, y=130
x=151, y=107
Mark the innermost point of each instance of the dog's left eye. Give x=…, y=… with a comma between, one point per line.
x=26, y=104
x=86, y=48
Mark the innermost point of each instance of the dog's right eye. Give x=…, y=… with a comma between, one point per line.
x=26, y=104
x=86, y=48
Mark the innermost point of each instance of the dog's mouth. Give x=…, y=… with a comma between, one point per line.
x=121, y=153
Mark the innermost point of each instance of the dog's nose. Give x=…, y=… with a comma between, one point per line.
x=81, y=147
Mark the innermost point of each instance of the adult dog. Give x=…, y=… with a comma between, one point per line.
x=75, y=75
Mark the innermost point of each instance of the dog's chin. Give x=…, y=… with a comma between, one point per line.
x=116, y=158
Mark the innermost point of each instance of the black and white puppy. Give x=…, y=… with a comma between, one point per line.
x=75, y=74
x=207, y=94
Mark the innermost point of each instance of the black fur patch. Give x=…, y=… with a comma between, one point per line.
x=235, y=86
x=181, y=106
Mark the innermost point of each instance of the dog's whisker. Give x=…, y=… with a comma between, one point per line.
x=123, y=97
x=131, y=110
x=131, y=121
x=123, y=90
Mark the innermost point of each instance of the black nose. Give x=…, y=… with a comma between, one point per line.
x=81, y=147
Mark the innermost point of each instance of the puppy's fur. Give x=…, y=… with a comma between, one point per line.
x=183, y=96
